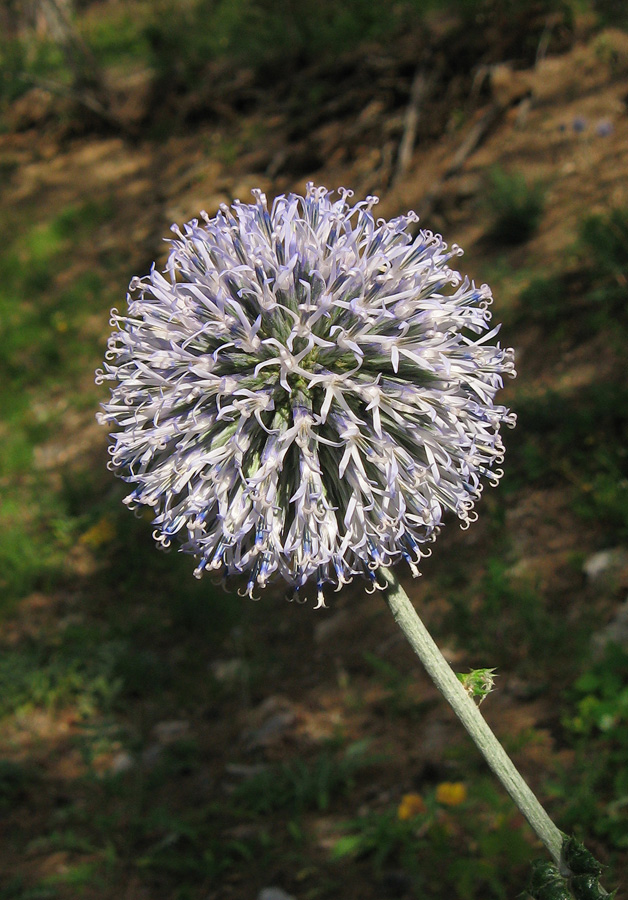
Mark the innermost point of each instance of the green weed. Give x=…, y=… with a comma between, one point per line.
x=29, y=560
x=514, y=206
x=611, y=12
x=178, y=758
x=51, y=677
x=41, y=345
x=116, y=37
x=399, y=700
x=77, y=876
x=580, y=439
x=594, y=798
x=40, y=333
x=603, y=246
x=25, y=60
x=16, y=889
x=592, y=297
x=470, y=861
x=603, y=498
x=78, y=219
x=139, y=573
x=16, y=780
x=604, y=241
x=501, y=619
x=261, y=34
x=385, y=839
x=545, y=300
x=189, y=850
x=8, y=168
x=299, y=785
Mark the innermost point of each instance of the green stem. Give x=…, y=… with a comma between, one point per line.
x=467, y=711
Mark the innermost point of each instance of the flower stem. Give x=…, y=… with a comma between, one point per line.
x=467, y=711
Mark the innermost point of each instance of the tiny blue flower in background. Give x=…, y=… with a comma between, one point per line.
x=579, y=124
x=604, y=128
x=305, y=391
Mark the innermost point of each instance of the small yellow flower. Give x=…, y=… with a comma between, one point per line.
x=411, y=805
x=451, y=793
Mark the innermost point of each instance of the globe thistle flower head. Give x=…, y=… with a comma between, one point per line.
x=305, y=391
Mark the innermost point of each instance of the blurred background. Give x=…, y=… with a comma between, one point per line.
x=162, y=739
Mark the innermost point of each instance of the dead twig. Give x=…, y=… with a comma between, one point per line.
x=474, y=138
x=471, y=142
x=79, y=58
x=81, y=97
x=89, y=87
x=421, y=85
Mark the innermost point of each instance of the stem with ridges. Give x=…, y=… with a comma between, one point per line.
x=467, y=711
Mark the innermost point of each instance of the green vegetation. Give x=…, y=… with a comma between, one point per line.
x=580, y=437
x=174, y=39
x=399, y=700
x=503, y=618
x=581, y=440
x=263, y=34
x=611, y=12
x=514, y=206
x=16, y=779
x=604, y=249
x=16, y=889
x=546, y=300
x=36, y=676
x=299, y=786
x=189, y=851
x=591, y=297
x=117, y=39
x=43, y=345
x=594, y=799
x=420, y=845
x=41, y=319
x=24, y=62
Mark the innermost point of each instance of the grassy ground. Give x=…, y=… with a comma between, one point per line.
x=160, y=738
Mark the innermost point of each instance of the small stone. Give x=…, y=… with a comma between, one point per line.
x=616, y=632
x=121, y=763
x=274, y=893
x=607, y=568
x=330, y=626
x=228, y=670
x=508, y=85
x=151, y=755
x=167, y=732
x=241, y=770
x=270, y=722
x=271, y=731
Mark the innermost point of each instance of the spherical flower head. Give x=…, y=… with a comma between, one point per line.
x=305, y=390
